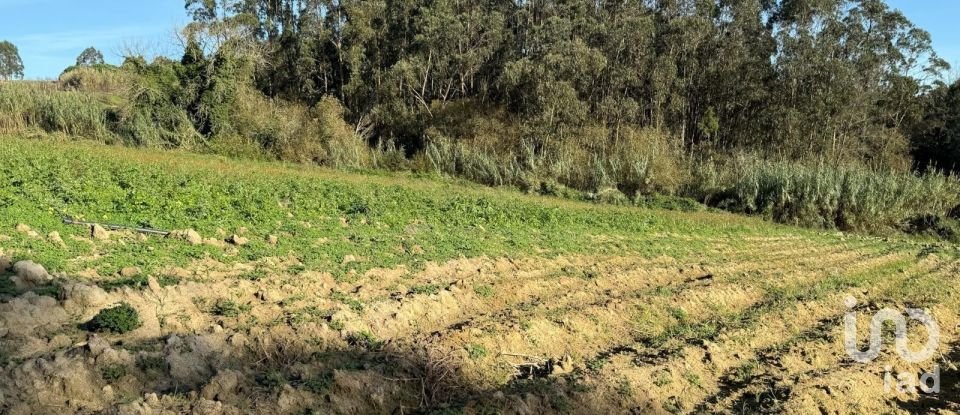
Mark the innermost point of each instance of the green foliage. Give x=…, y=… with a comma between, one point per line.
x=354, y=304
x=818, y=195
x=7, y=287
x=11, y=66
x=936, y=137
x=45, y=181
x=119, y=319
x=364, y=340
x=154, y=365
x=271, y=380
x=139, y=282
x=430, y=289
x=113, y=372
x=29, y=106
x=476, y=351
x=228, y=308
x=484, y=291
x=320, y=384
x=932, y=225
x=90, y=57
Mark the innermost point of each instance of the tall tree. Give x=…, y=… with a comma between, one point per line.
x=11, y=66
x=90, y=57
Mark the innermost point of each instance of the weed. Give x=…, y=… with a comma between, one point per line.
x=272, y=380
x=354, y=304
x=51, y=290
x=484, y=291
x=255, y=275
x=364, y=340
x=662, y=378
x=139, y=282
x=693, y=379
x=320, y=384
x=7, y=287
x=597, y=364
x=430, y=289
x=625, y=389
x=152, y=364
x=228, y=308
x=113, y=372
x=476, y=351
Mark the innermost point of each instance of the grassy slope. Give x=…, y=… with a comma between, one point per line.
x=380, y=218
x=641, y=329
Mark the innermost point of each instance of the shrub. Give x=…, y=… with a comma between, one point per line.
x=120, y=319
x=927, y=224
x=113, y=372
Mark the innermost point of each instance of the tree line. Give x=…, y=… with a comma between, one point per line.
x=841, y=79
x=836, y=80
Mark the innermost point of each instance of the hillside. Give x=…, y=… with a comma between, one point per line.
x=291, y=289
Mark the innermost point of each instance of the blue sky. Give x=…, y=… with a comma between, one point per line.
x=51, y=33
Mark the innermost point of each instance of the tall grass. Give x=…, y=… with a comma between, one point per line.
x=636, y=163
x=819, y=195
x=33, y=106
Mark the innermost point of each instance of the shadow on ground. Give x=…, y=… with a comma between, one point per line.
x=51, y=363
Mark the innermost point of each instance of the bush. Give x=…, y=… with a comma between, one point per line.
x=120, y=319
x=933, y=225
x=114, y=372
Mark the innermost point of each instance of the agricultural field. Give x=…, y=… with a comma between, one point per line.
x=289, y=289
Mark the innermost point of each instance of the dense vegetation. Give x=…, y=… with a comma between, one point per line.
x=817, y=113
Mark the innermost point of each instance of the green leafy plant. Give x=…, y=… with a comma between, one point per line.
x=113, y=372
x=120, y=319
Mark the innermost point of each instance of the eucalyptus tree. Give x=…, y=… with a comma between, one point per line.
x=11, y=65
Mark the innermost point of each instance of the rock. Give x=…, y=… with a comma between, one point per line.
x=4, y=264
x=223, y=386
x=154, y=285
x=32, y=273
x=99, y=233
x=55, y=238
x=24, y=229
x=189, y=235
x=273, y=240
x=562, y=366
x=97, y=345
x=129, y=272
x=207, y=407
x=84, y=296
x=238, y=240
x=264, y=296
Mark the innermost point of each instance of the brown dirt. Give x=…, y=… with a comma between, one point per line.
x=755, y=328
